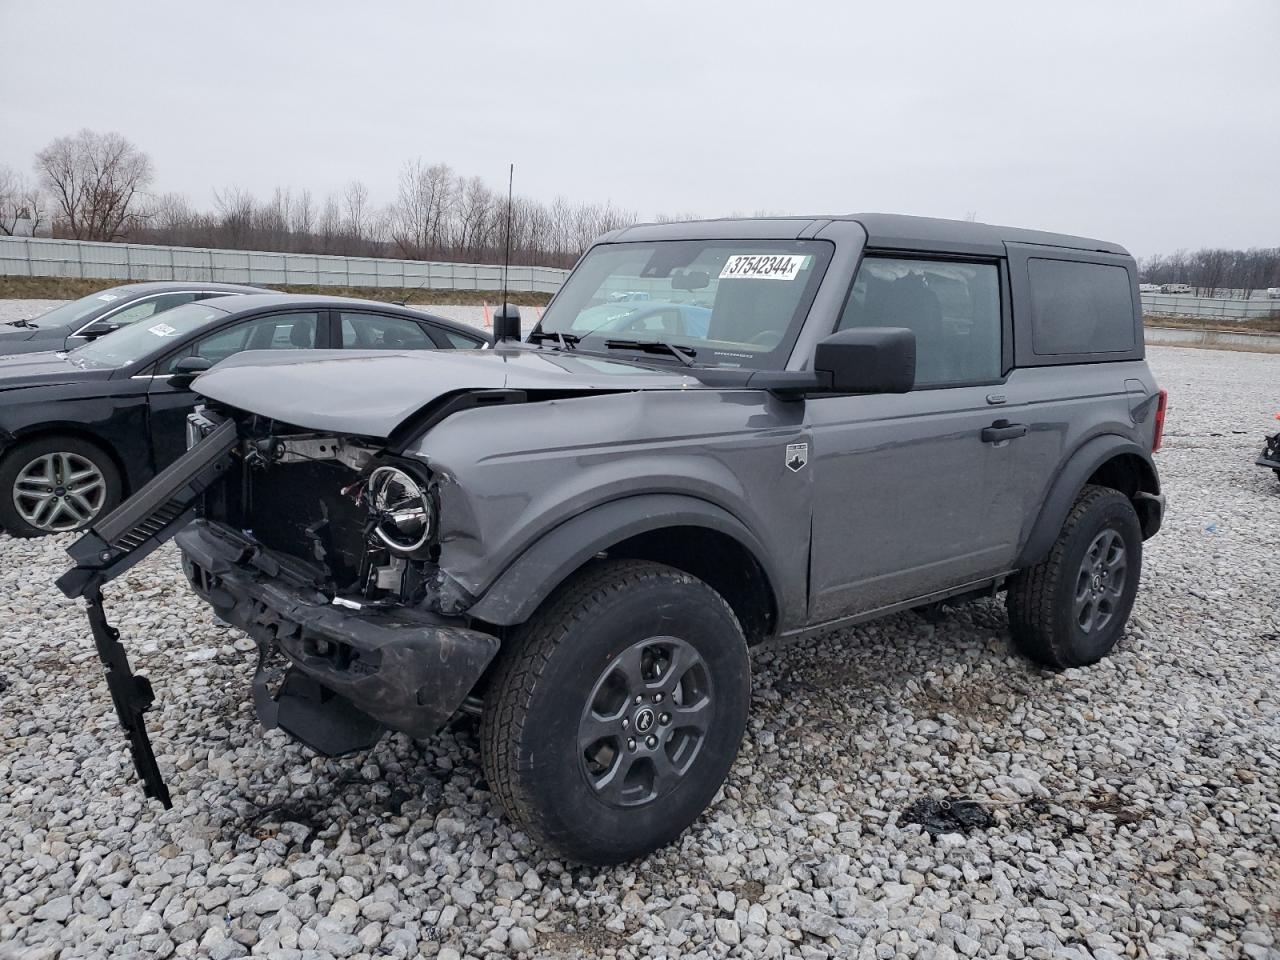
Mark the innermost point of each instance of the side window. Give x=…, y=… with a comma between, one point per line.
x=455, y=341
x=1080, y=307
x=282, y=331
x=146, y=308
x=953, y=307
x=381, y=331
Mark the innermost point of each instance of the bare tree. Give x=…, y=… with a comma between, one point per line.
x=95, y=179
x=1213, y=272
x=358, y=222
x=437, y=214
x=20, y=201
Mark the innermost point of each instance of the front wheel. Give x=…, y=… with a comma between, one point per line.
x=616, y=712
x=56, y=485
x=1070, y=609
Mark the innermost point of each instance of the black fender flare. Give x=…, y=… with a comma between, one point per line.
x=1071, y=479
x=518, y=591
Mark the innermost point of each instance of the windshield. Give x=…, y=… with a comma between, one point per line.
x=733, y=303
x=78, y=311
x=140, y=340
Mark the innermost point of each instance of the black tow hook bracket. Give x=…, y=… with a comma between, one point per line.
x=132, y=695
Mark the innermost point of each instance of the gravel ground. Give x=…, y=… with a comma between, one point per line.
x=1135, y=803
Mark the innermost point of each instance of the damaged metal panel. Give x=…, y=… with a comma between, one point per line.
x=543, y=464
x=370, y=392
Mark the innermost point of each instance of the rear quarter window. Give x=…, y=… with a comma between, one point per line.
x=1079, y=308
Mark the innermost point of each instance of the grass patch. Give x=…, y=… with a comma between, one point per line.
x=1253, y=325
x=71, y=288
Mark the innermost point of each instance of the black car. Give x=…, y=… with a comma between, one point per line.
x=72, y=324
x=80, y=430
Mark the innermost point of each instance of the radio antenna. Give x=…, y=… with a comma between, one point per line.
x=506, y=254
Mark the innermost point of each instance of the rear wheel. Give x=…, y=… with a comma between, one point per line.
x=1070, y=609
x=615, y=715
x=55, y=485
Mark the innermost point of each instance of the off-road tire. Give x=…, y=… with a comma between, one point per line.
x=22, y=454
x=1041, y=598
x=544, y=680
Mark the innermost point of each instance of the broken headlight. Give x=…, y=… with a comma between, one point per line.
x=401, y=509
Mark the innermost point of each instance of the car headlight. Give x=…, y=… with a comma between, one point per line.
x=402, y=511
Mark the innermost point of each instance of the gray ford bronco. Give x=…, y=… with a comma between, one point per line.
x=720, y=433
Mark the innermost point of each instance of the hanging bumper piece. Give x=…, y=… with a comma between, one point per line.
x=119, y=542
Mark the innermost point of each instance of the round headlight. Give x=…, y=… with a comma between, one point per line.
x=401, y=509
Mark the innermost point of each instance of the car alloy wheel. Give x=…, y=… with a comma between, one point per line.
x=645, y=721
x=59, y=491
x=1101, y=580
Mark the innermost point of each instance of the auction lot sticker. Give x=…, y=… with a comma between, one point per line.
x=763, y=266
x=162, y=330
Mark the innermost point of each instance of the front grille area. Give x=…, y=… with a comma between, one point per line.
x=150, y=525
x=299, y=509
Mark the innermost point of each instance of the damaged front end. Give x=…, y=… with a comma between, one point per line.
x=322, y=549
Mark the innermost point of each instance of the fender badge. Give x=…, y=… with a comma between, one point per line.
x=797, y=456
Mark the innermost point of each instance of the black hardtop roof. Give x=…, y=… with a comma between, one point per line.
x=301, y=301
x=887, y=230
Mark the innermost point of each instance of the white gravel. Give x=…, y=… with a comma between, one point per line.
x=1136, y=809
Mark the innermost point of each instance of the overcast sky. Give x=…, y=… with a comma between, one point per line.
x=1154, y=124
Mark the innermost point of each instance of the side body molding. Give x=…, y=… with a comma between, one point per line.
x=517, y=592
x=1066, y=486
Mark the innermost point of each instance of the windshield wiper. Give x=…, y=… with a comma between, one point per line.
x=566, y=340
x=684, y=354
x=23, y=323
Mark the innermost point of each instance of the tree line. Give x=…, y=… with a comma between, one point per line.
x=1214, y=272
x=94, y=186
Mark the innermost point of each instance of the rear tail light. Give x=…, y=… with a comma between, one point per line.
x=1160, y=410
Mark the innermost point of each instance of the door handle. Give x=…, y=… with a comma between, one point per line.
x=1003, y=430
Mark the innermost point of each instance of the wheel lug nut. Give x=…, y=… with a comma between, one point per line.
x=651, y=742
x=664, y=719
x=657, y=698
x=626, y=722
x=631, y=744
x=639, y=698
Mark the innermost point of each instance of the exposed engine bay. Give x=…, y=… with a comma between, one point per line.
x=363, y=523
x=323, y=550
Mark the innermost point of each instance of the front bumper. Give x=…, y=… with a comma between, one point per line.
x=405, y=668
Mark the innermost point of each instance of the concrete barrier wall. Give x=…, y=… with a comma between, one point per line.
x=30, y=257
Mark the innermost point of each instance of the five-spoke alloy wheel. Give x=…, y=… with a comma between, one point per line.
x=614, y=714
x=55, y=485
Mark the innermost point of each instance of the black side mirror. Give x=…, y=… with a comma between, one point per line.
x=99, y=328
x=868, y=360
x=187, y=369
x=506, y=323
